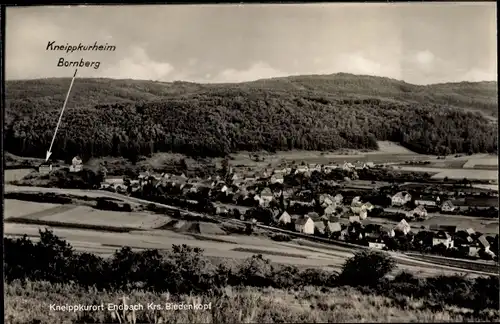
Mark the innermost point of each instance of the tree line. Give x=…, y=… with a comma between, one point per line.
x=220, y=120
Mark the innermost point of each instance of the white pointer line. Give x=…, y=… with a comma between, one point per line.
x=49, y=152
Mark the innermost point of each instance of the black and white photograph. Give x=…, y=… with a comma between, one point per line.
x=251, y=163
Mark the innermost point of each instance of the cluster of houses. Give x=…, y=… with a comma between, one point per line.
x=76, y=166
x=376, y=235
x=436, y=203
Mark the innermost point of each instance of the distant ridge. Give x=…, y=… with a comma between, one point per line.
x=312, y=112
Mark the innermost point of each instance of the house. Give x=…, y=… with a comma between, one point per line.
x=400, y=199
x=442, y=238
x=385, y=230
x=347, y=166
x=426, y=201
x=473, y=250
x=301, y=169
x=320, y=227
x=338, y=199
x=448, y=206
x=344, y=234
x=326, y=200
x=266, y=196
x=334, y=228
x=483, y=242
x=330, y=210
x=419, y=212
x=403, y=227
x=208, y=183
x=285, y=218
x=377, y=244
x=314, y=216
x=363, y=214
x=354, y=219
x=304, y=225
x=369, y=165
x=174, y=180
x=45, y=168
x=277, y=178
x=76, y=164
x=221, y=210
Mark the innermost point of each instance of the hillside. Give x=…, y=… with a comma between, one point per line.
x=130, y=117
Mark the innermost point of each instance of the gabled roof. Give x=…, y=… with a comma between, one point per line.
x=313, y=215
x=266, y=192
x=442, y=235
x=320, y=225
x=285, y=215
x=402, y=226
x=302, y=221
x=483, y=241
x=334, y=227
x=353, y=219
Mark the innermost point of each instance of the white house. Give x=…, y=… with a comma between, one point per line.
x=403, y=227
x=448, y=206
x=354, y=219
x=330, y=210
x=442, y=238
x=266, y=196
x=76, y=165
x=400, y=199
x=304, y=225
x=425, y=201
x=45, y=168
x=376, y=245
x=419, y=212
x=285, y=218
x=348, y=166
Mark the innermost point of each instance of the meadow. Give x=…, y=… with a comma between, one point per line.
x=82, y=215
x=31, y=302
x=249, y=291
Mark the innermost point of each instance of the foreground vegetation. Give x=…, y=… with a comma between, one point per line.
x=30, y=303
x=50, y=271
x=132, y=118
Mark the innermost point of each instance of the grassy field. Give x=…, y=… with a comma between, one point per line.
x=19, y=208
x=487, y=160
x=469, y=174
x=82, y=215
x=31, y=304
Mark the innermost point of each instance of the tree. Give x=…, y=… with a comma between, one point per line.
x=366, y=268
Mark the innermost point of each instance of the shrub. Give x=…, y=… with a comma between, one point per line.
x=366, y=268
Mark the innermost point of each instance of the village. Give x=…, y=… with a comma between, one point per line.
x=383, y=217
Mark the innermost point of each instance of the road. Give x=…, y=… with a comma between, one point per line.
x=326, y=255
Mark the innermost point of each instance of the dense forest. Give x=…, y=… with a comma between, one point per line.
x=129, y=118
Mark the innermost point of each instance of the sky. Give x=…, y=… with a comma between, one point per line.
x=420, y=43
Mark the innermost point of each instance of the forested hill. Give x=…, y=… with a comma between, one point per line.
x=130, y=117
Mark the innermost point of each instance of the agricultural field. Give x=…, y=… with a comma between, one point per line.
x=16, y=174
x=90, y=216
x=488, y=160
x=21, y=208
x=491, y=175
x=231, y=246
